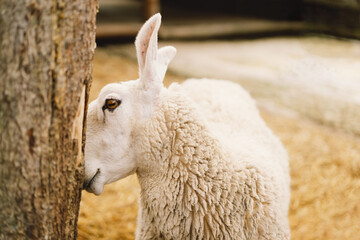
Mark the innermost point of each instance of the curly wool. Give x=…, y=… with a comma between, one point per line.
x=209, y=168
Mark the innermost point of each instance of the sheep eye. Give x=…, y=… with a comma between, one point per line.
x=111, y=104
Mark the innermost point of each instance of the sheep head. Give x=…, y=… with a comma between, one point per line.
x=114, y=116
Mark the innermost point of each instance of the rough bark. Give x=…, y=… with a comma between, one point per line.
x=46, y=51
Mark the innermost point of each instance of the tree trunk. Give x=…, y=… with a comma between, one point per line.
x=46, y=52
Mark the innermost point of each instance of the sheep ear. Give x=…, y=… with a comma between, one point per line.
x=165, y=55
x=146, y=44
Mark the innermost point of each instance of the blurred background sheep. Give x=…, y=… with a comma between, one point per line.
x=298, y=58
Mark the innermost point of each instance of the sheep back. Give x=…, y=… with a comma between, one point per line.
x=210, y=168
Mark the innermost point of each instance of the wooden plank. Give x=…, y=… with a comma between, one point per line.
x=351, y=4
x=115, y=29
x=228, y=28
x=334, y=19
x=197, y=29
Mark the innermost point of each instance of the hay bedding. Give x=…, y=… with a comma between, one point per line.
x=325, y=173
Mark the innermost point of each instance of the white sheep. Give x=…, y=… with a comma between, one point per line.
x=208, y=166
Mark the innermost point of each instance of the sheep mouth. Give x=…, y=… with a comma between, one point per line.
x=87, y=185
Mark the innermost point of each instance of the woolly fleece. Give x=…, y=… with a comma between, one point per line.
x=209, y=167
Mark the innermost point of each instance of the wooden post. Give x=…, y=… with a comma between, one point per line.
x=46, y=52
x=151, y=7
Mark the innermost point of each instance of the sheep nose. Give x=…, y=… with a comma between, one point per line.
x=88, y=182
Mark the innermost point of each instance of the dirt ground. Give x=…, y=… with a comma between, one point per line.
x=325, y=175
